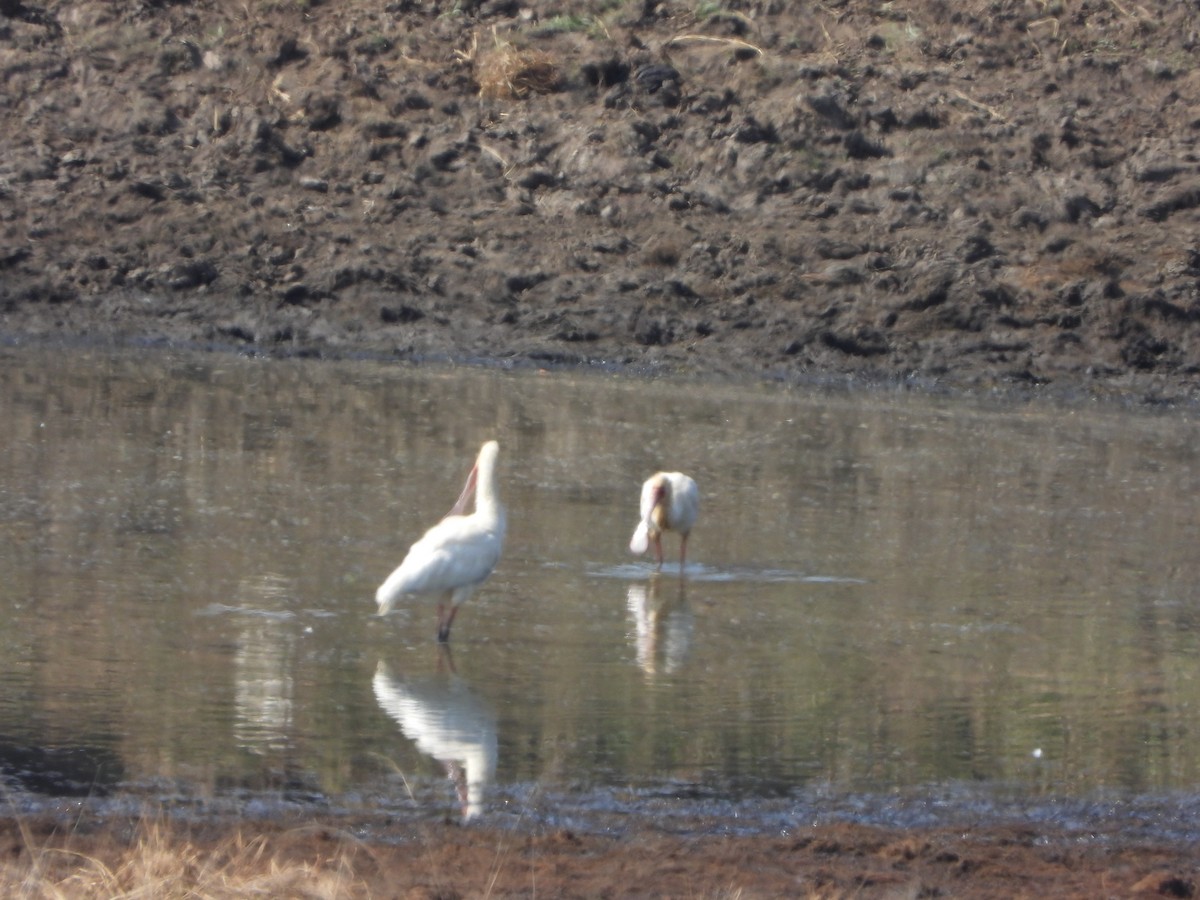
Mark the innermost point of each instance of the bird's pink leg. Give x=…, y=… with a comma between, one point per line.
x=444, y=624
x=682, y=553
x=658, y=554
x=458, y=776
x=445, y=662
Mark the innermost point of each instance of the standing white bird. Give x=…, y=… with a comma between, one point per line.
x=670, y=502
x=456, y=555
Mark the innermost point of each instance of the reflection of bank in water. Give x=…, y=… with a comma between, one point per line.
x=662, y=625
x=263, y=683
x=448, y=721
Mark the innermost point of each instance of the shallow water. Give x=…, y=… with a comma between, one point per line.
x=891, y=604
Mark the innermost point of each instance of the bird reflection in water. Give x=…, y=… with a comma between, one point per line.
x=662, y=632
x=448, y=721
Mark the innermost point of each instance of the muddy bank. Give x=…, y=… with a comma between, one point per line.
x=970, y=194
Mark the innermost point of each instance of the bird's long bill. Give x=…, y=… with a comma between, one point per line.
x=640, y=542
x=460, y=505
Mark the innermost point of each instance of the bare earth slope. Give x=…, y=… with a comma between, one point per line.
x=986, y=193
x=981, y=193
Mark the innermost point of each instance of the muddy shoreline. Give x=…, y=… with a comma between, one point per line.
x=372, y=855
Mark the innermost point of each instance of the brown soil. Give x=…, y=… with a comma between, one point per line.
x=975, y=194
x=980, y=194
x=835, y=861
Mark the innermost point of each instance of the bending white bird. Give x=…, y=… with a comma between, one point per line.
x=456, y=555
x=670, y=502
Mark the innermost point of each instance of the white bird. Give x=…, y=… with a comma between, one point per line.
x=456, y=555
x=670, y=502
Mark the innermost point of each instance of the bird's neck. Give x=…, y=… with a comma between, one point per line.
x=487, y=500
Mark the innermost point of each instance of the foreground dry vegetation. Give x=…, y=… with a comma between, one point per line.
x=161, y=859
x=157, y=861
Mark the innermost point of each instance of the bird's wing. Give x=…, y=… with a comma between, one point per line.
x=453, y=553
x=685, y=503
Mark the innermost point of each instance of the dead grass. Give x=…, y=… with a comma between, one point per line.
x=505, y=71
x=160, y=861
x=732, y=43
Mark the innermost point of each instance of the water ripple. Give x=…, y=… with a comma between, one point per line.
x=224, y=609
x=734, y=574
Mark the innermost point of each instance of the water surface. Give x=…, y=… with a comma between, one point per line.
x=888, y=599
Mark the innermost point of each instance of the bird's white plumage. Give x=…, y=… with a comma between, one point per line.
x=670, y=501
x=457, y=554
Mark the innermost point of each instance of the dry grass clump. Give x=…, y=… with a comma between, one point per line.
x=510, y=72
x=159, y=862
